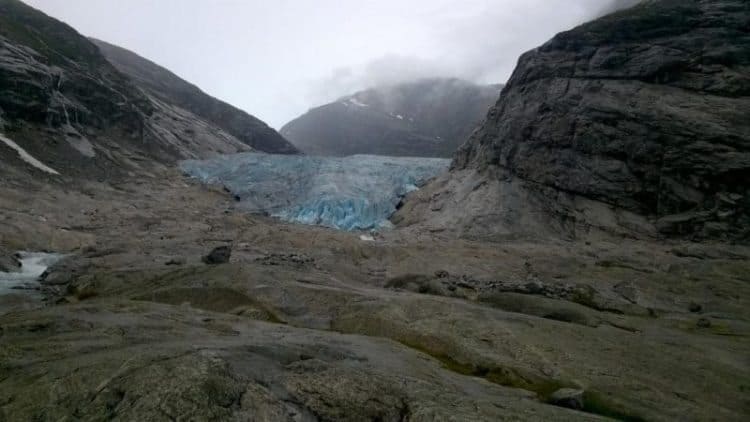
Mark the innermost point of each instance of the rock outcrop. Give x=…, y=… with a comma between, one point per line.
x=425, y=118
x=219, y=255
x=638, y=122
x=8, y=262
x=64, y=104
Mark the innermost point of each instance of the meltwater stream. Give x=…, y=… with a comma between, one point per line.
x=359, y=192
x=33, y=265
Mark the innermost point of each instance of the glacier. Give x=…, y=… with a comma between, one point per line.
x=358, y=192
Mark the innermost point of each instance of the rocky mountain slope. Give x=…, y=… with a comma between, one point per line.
x=65, y=109
x=429, y=118
x=635, y=123
x=169, y=88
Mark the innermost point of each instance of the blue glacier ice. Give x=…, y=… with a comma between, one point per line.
x=358, y=192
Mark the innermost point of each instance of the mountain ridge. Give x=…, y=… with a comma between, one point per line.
x=169, y=87
x=65, y=104
x=427, y=117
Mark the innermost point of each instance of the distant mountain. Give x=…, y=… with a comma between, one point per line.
x=430, y=117
x=64, y=108
x=171, y=89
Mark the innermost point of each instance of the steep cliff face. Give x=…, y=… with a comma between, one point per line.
x=53, y=80
x=171, y=89
x=636, y=122
x=64, y=106
x=426, y=118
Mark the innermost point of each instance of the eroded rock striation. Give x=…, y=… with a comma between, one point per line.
x=638, y=122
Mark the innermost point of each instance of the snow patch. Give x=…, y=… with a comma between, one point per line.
x=359, y=192
x=25, y=156
x=33, y=265
x=366, y=238
x=357, y=103
x=400, y=117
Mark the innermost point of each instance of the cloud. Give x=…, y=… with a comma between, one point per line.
x=277, y=59
x=615, y=5
x=481, y=43
x=387, y=70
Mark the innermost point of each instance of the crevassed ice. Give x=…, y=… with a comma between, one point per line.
x=359, y=192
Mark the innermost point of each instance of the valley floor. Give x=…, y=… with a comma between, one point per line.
x=306, y=323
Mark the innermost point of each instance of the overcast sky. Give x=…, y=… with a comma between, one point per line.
x=277, y=58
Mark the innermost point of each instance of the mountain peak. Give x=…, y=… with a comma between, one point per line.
x=426, y=117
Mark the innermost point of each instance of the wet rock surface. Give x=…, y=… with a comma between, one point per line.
x=8, y=262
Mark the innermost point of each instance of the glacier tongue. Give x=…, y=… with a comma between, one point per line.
x=359, y=192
